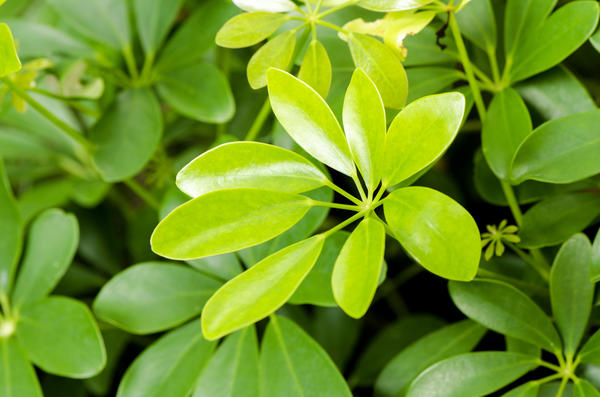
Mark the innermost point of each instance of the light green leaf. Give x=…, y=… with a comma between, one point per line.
x=233, y=371
x=51, y=244
x=383, y=66
x=556, y=93
x=225, y=221
x=365, y=126
x=252, y=165
x=529, y=389
x=358, y=267
x=560, y=151
x=435, y=230
x=392, y=5
x=60, y=336
x=315, y=69
x=127, y=134
x=106, y=21
x=429, y=80
x=504, y=309
x=571, y=291
x=10, y=62
x=265, y=5
x=506, y=125
x=521, y=20
x=196, y=35
x=276, y=53
x=471, y=374
x=11, y=232
x=294, y=365
x=309, y=120
x=17, y=376
x=555, y=39
x=595, y=40
x=555, y=219
x=185, y=89
x=420, y=134
x=170, y=366
x=457, y=338
x=595, y=267
x=478, y=24
x=590, y=352
x=154, y=18
x=583, y=388
x=153, y=296
x=247, y=29
x=260, y=290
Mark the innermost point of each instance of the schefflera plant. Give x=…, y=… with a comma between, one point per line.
x=245, y=193
x=57, y=334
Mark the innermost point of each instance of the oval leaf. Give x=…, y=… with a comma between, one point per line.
x=309, y=120
x=478, y=24
x=503, y=308
x=277, y=53
x=358, y=267
x=595, y=269
x=471, y=374
x=61, y=337
x=151, y=297
x=51, y=244
x=226, y=221
x=315, y=69
x=17, y=376
x=11, y=232
x=295, y=365
x=435, y=230
x=260, y=290
x=383, y=66
x=521, y=19
x=127, y=134
x=247, y=29
x=365, y=125
x=252, y=165
x=154, y=18
x=420, y=134
x=170, y=366
x=185, y=89
x=583, y=388
x=8, y=53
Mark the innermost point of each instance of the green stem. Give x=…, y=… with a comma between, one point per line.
x=535, y=289
x=147, y=68
x=72, y=102
x=70, y=131
x=334, y=9
x=130, y=62
x=548, y=379
x=259, y=121
x=355, y=208
x=342, y=225
x=332, y=26
x=464, y=57
x=512, y=202
x=543, y=270
x=548, y=365
x=361, y=191
x=341, y=191
x=561, y=388
x=139, y=190
x=494, y=64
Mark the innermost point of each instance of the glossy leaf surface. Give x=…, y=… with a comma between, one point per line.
x=315, y=69
x=17, y=376
x=477, y=23
x=226, y=221
x=260, y=290
x=435, y=230
x=10, y=60
x=276, y=53
x=521, y=19
x=247, y=29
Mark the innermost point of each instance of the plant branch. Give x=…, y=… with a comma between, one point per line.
x=341, y=191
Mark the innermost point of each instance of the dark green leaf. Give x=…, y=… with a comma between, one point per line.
x=477, y=23
x=11, y=232
x=429, y=80
x=521, y=20
x=154, y=18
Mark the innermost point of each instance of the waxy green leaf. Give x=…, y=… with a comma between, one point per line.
x=276, y=53
x=154, y=18
x=315, y=69
x=590, y=352
x=17, y=376
x=435, y=230
x=571, y=291
x=225, y=221
x=247, y=29
x=560, y=151
x=583, y=388
x=127, y=134
x=392, y=5
x=185, y=90
x=233, y=371
x=503, y=308
x=51, y=244
x=457, y=338
x=10, y=62
x=365, y=126
x=529, y=389
x=60, y=336
x=471, y=374
x=477, y=23
x=595, y=267
x=252, y=165
x=153, y=296
x=555, y=39
x=383, y=66
x=420, y=134
x=11, y=232
x=554, y=220
x=358, y=268
x=260, y=290
x=309, y=121
x=506, y=125
x=170, y=366
x=521, y=19
x=295, y=365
